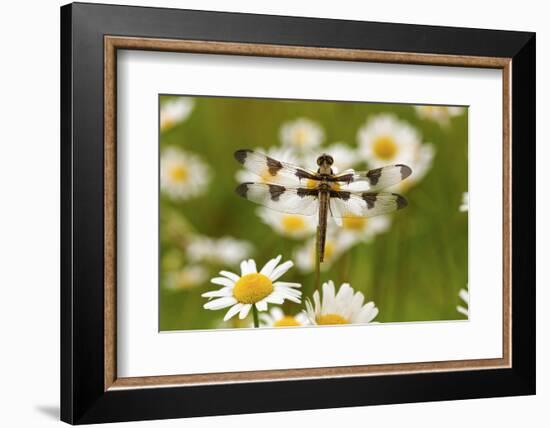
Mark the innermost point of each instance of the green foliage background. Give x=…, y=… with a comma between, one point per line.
x=413, y=272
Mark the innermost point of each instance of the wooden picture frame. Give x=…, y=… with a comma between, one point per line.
x=91, y=390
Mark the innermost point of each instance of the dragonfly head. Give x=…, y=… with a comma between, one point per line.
x=325, y=160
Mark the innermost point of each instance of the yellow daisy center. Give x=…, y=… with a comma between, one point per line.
x=179, y=173
x=286, y=321
x=252, y=288
x=354, y=222
x=331, y=319
x=385, y=147
x=300, y=136
x=293, y=223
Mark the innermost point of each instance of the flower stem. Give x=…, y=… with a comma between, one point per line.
x=255, y=316
x=345, y=266
x=317, y=262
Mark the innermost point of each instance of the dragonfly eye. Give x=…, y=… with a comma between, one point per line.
x=325, y=159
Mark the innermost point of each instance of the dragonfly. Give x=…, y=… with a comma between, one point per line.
x=291, y=189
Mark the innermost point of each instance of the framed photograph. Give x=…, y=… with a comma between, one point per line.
x=265, y=213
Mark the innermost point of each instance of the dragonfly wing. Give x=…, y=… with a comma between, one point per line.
x=345, y=204
x=301, y=201
x=271, y=170
x=376, y=179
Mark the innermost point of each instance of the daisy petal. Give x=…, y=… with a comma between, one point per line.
x=368, y=313
x=252, y=266
x=462, y=310
x=317, y=301
x=270, y=265
x=344, y=292
x=356, y=304
x=274, y=299
x=244, y=311
x=368, y=305
x=230, y=275
x=222, y=292
x=373, y=314
x=280, y=270
x=309, y=308
x=288, y=284
x=232, y=311
x=261, y=305
x=222, y=281
x=292, y=292
x=294, y=299
x=288, y=291
x=283, y=295
x=328, y=297
x=244, y=267
x=222, y=302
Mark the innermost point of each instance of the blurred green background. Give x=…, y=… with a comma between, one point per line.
x=413, y=271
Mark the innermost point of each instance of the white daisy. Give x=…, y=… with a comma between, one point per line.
x=440, y=114
x=283, y=154
x=301, y=134
x=384, y=140
x=183, y=175
x=239, y=293
x=464, y=206
x=186, y=278
x=175, y=111
x=363, y=228
x=221, y=251
x=293, y=226
x=465, y=296
x=344, y=307
x=336, y=244
x=277, y=318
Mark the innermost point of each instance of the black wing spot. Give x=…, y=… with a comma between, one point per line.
x=303, y=192
x=301, y=174
x=273, y=166
x=370, y=199
x=374, y=175
x=241, y=155
x=242, y=189
x=346, y=178
x=401, y=201
x=276, y=191
x=340, y=194
x=405, y=171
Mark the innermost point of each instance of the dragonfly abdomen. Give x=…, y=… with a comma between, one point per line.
x=323, y=212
